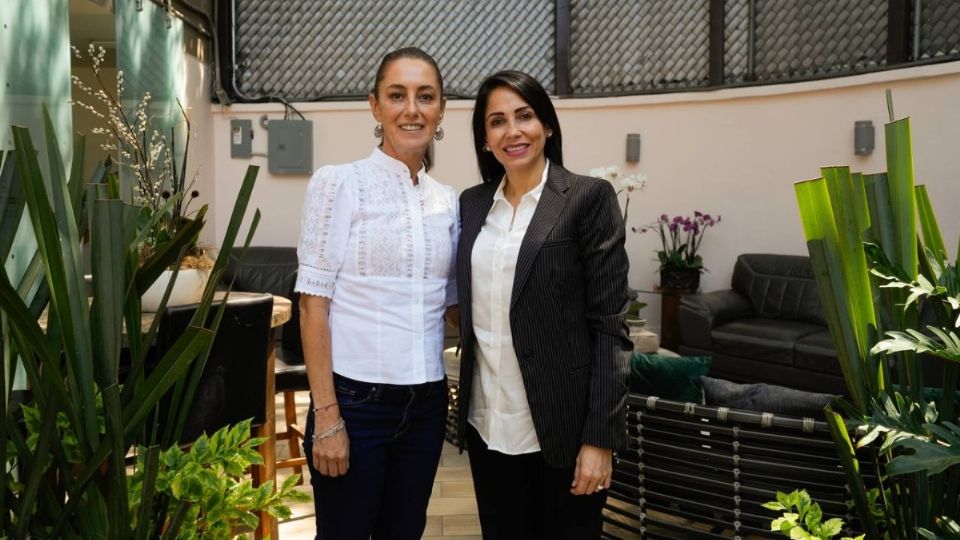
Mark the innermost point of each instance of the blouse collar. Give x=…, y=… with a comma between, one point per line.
x=393, y=165
x=535, y=192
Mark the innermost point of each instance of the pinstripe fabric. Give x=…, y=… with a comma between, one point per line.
x=566, y=315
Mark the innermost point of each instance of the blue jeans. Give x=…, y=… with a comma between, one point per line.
x=396, y=435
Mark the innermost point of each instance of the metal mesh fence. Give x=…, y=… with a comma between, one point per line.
x=629, y=46
x=308, y=49
x=736, y=41
x=312, y=49
x=800, y=39
x=939, y=29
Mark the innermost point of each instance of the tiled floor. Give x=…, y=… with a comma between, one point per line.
x=452, y=513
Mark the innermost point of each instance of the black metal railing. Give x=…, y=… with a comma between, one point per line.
x=306, y=50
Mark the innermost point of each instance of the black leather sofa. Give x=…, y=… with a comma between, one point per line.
x=768, y=327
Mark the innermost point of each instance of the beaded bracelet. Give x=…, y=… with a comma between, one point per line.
x=332, y=430
x=325, y=407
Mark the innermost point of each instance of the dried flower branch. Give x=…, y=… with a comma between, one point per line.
x=144, y=152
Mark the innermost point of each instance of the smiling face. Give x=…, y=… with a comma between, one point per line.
x=513, y=132
x=409, y=104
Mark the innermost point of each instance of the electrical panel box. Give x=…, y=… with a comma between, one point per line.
x=241, y=138
x=290, y=146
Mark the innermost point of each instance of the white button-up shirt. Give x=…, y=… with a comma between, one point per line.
x=383, y=250
x=499, y=409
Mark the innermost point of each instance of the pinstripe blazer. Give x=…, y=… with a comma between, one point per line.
x=566, y=313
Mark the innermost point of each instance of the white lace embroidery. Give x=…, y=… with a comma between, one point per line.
x=358, y=218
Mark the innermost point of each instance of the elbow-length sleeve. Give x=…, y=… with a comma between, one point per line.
x=324, y=232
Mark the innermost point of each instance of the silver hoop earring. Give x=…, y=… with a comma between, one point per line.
x=378, y=131
x=438, y=135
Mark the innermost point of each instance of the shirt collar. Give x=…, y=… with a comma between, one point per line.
x=535, y=192
x=393, y=165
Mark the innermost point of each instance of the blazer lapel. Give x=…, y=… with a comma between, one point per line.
x=551, y=204
x=472, y=215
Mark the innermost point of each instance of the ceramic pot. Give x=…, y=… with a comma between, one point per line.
x=188, y=289
x=680, y=278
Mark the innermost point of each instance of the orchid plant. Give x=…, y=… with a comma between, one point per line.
x=680, y=239
x=627, y=183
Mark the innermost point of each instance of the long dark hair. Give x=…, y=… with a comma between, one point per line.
x=413, y=53
x=533, y=93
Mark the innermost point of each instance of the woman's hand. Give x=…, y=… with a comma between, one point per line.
x=594, y=470
x=452, y=316
x=331, y=455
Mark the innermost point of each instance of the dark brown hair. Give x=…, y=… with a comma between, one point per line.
x=413, y=53
x=533, y=93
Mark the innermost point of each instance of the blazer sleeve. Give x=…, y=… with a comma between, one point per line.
x=607, y=298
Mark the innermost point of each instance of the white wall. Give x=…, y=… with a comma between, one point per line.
x=732, y=152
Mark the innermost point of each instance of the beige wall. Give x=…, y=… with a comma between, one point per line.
x=731, y=152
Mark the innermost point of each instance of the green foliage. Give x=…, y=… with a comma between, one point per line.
x=802, y=519
x=206, y=484
x=874, y=270
x=65, y=475
x=633, y=310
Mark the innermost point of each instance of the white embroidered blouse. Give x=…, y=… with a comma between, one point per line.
x=383, y=250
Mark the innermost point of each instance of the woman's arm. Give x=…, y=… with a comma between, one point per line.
x=331, y=455
x=605, y=266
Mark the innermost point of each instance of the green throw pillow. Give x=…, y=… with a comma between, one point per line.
x=670, y=377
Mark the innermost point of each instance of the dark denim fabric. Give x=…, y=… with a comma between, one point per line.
x=396, y=435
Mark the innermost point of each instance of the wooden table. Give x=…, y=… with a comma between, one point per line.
x=282, y=311
x=669, y=314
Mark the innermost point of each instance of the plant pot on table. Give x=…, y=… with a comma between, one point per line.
x=187, y=289
x=680, y=278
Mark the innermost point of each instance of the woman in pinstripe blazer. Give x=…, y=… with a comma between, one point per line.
x=542, y=282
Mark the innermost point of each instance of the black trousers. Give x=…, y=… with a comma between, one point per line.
x=521, y=497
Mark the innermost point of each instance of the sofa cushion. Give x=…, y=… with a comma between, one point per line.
x=816, y=353
x=779, y=286
x=266, y=269
x=762, y=397
x=669, y=377
x=769, y=340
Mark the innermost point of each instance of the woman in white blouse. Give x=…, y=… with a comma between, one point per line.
x=542, y=275
x=376, y=276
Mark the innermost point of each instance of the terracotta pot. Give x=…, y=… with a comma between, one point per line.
x=680, y=278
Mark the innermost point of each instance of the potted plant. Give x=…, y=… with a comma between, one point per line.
x=873, y=271
x=624, y=184
x=802, y=518
x=159, y=184
x=679, y=257
x=64, y=447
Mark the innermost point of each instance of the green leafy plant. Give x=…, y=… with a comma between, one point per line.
x=65, y=474
x=633, y=310
x=877, y=254
x=802, y=519
x=205, y=486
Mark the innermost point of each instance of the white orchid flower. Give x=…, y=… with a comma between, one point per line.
x=634, y=182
